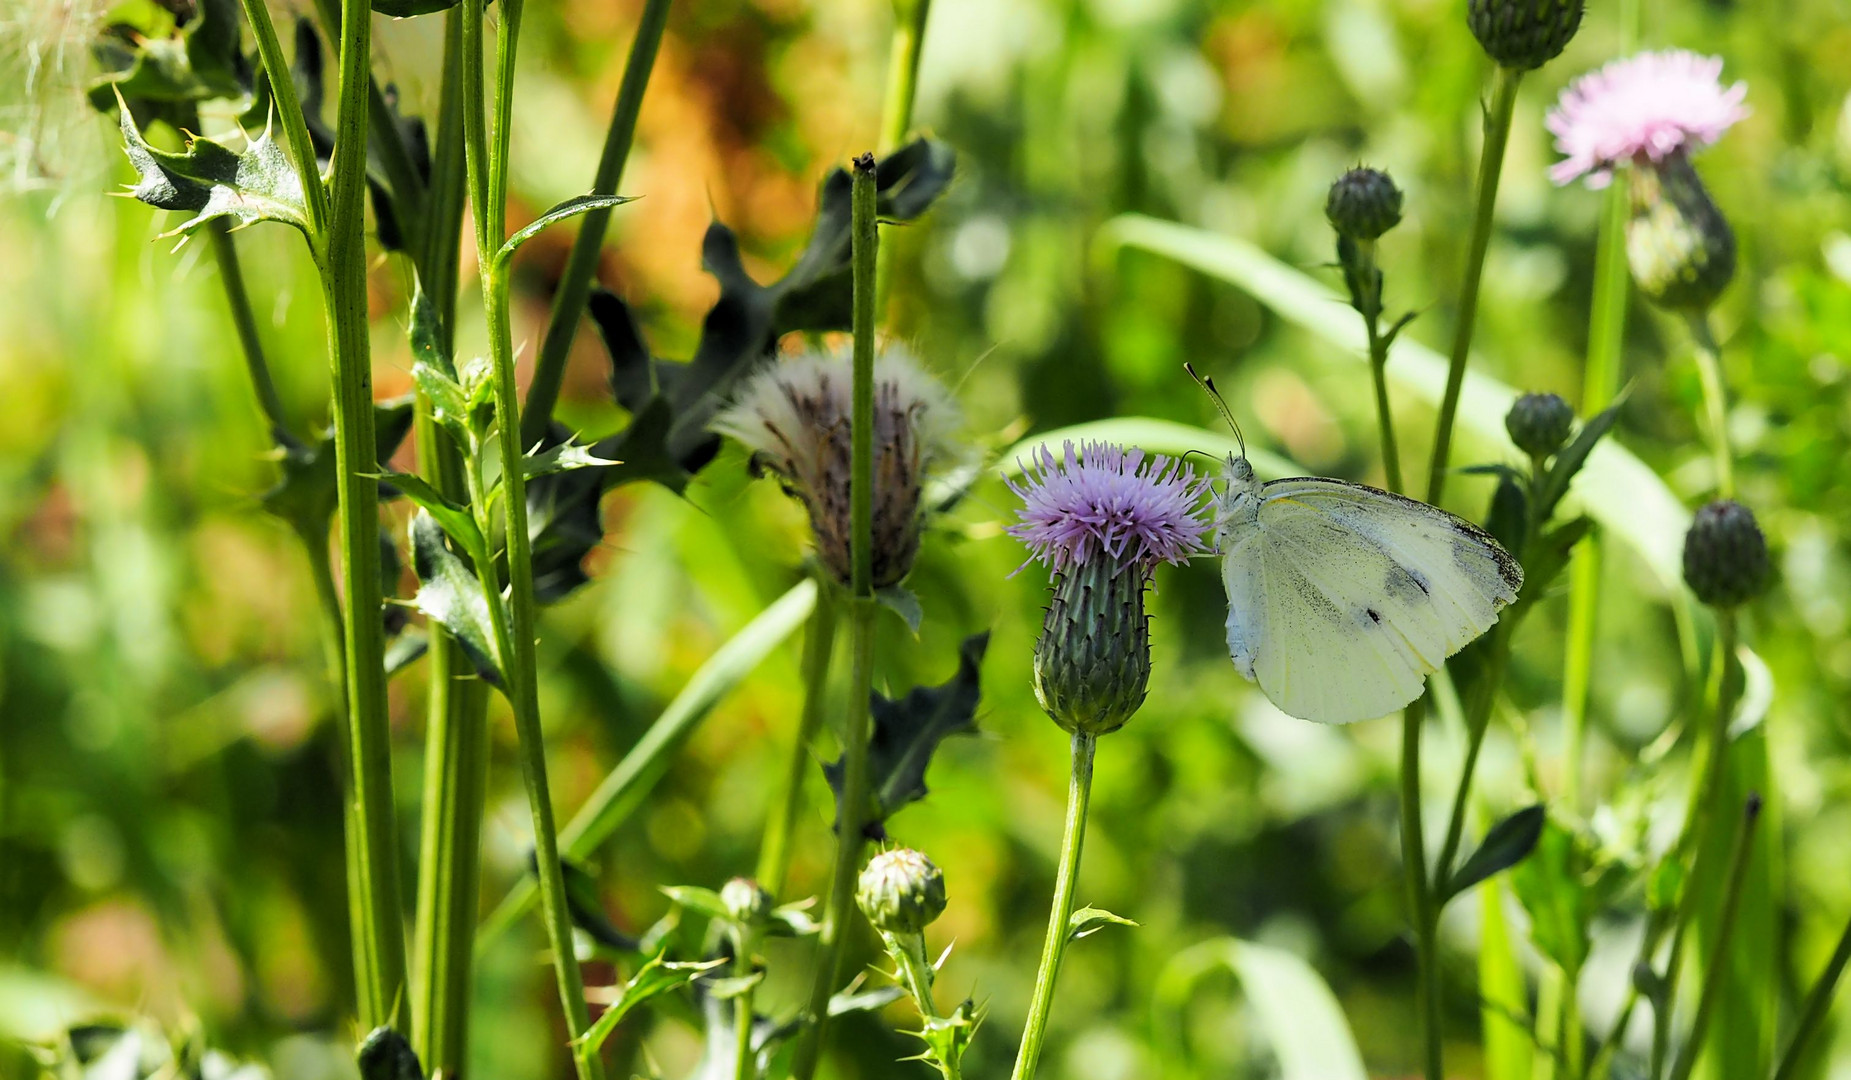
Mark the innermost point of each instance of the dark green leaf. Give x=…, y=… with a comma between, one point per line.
x=1569, y=460
x=1509, y=517
x=1090, y=920
x=907, y=731
x=1556, y=887
x=587, y=909
x=450, y=594
x=386, y=1055
x=564, y=457
x=902, y=602
x=576, y=205
x=210, y=180
x=305, y=495
x=165, y=76
x=456, y=521
x=1543, y=565
x=405, y=649
x=656, y=977
x=1507, y=843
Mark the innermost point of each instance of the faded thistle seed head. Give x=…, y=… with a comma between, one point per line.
x=1539, y=423
x=901, y=892
x=1523, y=34
x=1363, y=204
x=1101, y=518
x=1679, y=245
x=1725, y=556
x=796, y=416
x=747, y=902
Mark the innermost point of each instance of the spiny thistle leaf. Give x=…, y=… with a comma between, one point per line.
x=450, y=594
x=656, y=977
x=165, y=76
x=1090, y=920
x=572, y=207
x=209, y=180
x=907, y=731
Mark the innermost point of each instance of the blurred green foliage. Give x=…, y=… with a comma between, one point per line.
x=169, y=803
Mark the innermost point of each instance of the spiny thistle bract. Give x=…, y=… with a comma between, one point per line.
x=795, y=418
x=1539, y=424
x=1725, y=556
x=901, y=891
x=1652, y=112
x=1524, y=34
x=1102, y=518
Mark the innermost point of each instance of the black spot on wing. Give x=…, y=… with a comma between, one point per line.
x=1374, y=614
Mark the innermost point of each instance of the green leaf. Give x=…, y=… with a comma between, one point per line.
x=1553, y=886
x=587, y=909
x=1291, y=1004
x=450, y=594
x=1506, y=844
x=704, y=902
x=1509, y=519
x=305, y=495
x=793, y=920
x=576, y=205
x=908, y=730
x=1571, y=458
x=405, y=649
x=210, y=180
x=457, y=522
x=903, y=602
x=564, y=457
x=656, y=977
x=1090, y=920
x=733, y=985
x=1620, y=492
x=165, y=76
x=386, y=1055
x=948, y=1037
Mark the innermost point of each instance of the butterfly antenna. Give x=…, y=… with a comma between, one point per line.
x=1221, y=405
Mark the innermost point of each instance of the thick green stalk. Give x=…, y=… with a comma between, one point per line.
x=488, y=183
x=1073, y=837
x=1420, y=898
x=853, y=803
x=1715, y=402
x=1725, y=928
x=1490, y=167
x=819, y=642
x=909, y=25
x=1813, y=1013
x=575, y=281
x=388, y=146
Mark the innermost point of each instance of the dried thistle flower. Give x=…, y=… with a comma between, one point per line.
x=795, y=417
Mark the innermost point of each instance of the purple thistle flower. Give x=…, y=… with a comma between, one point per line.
x=1103, y=501
x=1650, y=106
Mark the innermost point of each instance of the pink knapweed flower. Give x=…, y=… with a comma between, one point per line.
x=1104, y=501
x=1647, y=106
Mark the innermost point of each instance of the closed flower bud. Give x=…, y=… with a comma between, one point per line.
x=901, y=892
x=1539, y=423
x=796, y=418
x=1681, y=249
x=1725, y=556
x=1363, y=204
x=1524, y=34
x=1092, y=661
x=746, y=902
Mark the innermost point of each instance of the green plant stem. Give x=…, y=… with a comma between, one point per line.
x=1490, y=167
x=1715, y=402
x=1813, y=1013
x=488, y=183
x=1420, y=900
x=1714, y=972
x=852, y=806
x=1692, y=839
x=1385, y=420
x=1477, y=720
x=915, y=971
x=745, y=1067
x=575, y=280
x=231, y=276
x=1060, y=912
x=909, y=25
x=819, y=642
x=295, y=123
x=457, y=736
x=388, y=146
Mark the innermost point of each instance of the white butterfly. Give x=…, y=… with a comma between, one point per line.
x=1343, y=598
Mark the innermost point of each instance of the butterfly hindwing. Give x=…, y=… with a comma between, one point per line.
x=1342, y=598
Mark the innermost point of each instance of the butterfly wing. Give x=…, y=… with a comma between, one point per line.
x=1343, y=598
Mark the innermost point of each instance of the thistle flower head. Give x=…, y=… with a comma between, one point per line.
x=796, y=416
x=1104, y=502
x=901, y=891
x=1644, y=108
x=1725, y=555
x=1539, y=424
x=1363, y=204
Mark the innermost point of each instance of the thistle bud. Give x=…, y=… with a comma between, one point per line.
x=1523, y=34
x=1681, y=249
x=796, y=418
x=746, y=901
x=1363, y=204
x=1725, y=556
x=1539, y=423
x=1092, y=661
x=901, y=892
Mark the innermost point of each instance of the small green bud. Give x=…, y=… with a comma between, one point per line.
x=1725, y=556
x=1523, y=34
x=1539, y=423
x=748, y=904
x=1092, y=662
x=1681, y=248
x=1363, y=204
x=901, y=892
